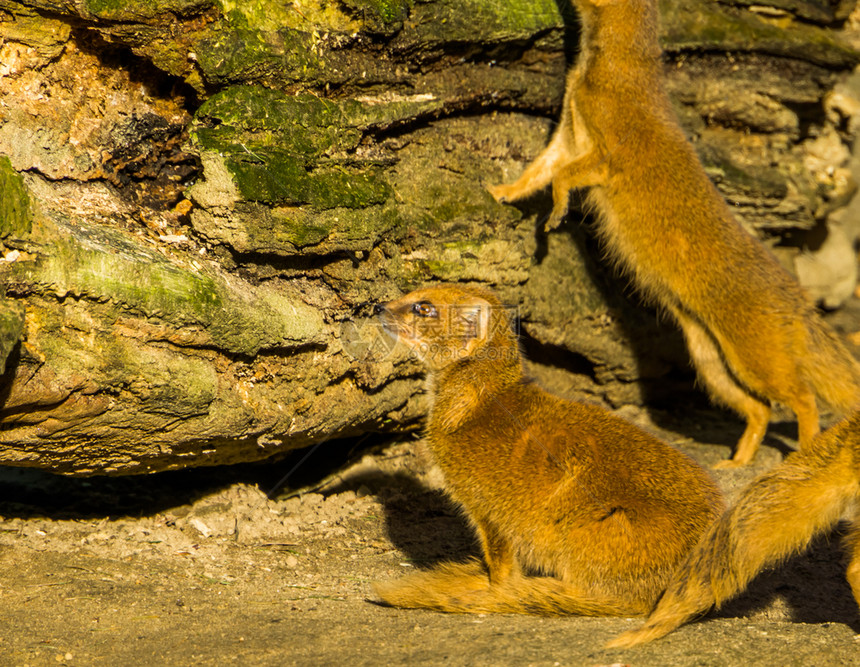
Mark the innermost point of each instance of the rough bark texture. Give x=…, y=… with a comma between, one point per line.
x=199, y=201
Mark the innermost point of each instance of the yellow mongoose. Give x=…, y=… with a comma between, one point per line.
x=753, y=335
x=567, y=490
x=777, y=515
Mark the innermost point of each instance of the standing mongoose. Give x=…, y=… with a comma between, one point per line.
x=568, y=490
x=777, y=515
x=752, y=333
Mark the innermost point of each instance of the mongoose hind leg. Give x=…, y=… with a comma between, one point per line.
x=758, y=416
x=808, y=420
x=722, y=386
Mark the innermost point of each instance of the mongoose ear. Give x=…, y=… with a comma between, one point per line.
x=477, y=313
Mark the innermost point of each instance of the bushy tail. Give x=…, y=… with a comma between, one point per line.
x=777, y=515
x=465, y=588
x=831, y=370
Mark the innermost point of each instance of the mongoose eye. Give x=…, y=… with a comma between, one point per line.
x=424, y=309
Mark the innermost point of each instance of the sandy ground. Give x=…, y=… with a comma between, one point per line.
x=203, y=568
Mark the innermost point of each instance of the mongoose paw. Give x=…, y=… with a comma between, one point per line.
x=555, y=219
x=729, y=464
x=501, y=193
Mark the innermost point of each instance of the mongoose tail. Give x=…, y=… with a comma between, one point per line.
x=465, y=588
x=775, y=517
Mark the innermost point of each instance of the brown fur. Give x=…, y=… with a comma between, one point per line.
x=751, y=331
x=777, y=515
x=602, y=509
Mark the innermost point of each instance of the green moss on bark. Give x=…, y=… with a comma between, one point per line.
x=103, y=265
x=482, y=21
x=236, y=54
x=11, y=328
x=16, y=218
x=385, y=11
x=279, y=178
x=299, y=150
x=304, y=124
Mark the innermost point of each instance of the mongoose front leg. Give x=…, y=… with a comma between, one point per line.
x=587, y=170
x=808, y=421
x=539, y=173
x=498, y=554
x=584, y=171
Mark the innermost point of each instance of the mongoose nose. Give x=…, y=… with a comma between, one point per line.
x=378, y=308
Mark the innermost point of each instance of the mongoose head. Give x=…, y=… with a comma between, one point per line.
x=446, y=324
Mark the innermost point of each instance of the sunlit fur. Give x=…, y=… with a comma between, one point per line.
x=599, y=508
x=776, y=516
x=753, y=335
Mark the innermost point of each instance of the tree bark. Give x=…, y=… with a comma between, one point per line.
x=202, y=200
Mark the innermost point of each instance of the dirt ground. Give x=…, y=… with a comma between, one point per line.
x=203, y=568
